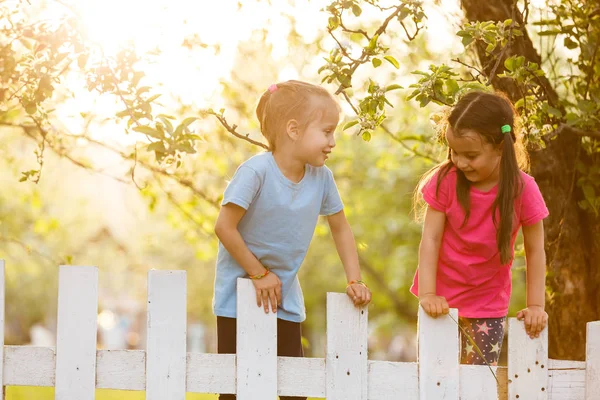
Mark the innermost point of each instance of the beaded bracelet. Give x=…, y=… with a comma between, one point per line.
x=258, y=276
x=360, y=282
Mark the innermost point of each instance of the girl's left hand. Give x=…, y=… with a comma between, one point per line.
x=535, y=320
x=359, y=293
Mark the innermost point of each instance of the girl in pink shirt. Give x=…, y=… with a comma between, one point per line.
x=476, y=201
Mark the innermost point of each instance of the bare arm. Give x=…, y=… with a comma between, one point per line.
x=226, y=229
x=534, y=315
x=429, y=250
x=533, y=236
x=346, y=248
x=227, y=232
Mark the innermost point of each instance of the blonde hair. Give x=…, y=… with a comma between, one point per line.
x=285, y=101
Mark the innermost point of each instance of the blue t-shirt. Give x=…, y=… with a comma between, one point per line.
x=278, y=226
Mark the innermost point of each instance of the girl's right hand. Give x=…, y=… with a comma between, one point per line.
x=268, y=289
x=434, y=306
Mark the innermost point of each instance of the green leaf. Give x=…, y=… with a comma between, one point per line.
x=143, y=89
x=393, y=87
x=392, y=61
x=554, y=112
x=123, y=113
x=350, y=124
x=510, y=63
x=157, y=146
x=590, y=193
x=570, y=43
x=373, y=42
x=467, y=40
x=82, y=60
x=366, y=135
x=356, y=10
x=137, y=75
x=550, y=32
x=167, y=124
x=452, y=87
x=31, y=108
x=508, y=22
x=152, y=98
x=186, y=122
x=146, y=130
x=334, y=22
x=376, y=62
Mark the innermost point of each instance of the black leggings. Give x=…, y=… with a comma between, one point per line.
x=289, y=343
x=487, y=333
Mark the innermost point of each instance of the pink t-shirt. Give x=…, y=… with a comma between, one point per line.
x=470, y=275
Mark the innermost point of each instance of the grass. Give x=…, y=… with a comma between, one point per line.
x=47, y=393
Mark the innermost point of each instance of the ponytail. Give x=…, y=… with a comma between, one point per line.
x=508, y=188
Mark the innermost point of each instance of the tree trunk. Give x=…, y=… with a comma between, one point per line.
x=572, y=234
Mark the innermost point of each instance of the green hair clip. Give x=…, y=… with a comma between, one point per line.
x=505, y=128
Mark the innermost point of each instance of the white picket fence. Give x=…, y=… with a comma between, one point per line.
x=166, y=371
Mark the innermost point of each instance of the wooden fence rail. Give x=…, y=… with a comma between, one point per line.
x=165, y=370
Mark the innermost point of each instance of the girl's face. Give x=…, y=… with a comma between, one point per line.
x=475, y=157
x=317, y=138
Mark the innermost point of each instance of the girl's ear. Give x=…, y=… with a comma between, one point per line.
x=293, y=129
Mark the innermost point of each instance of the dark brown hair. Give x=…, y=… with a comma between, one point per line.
x=486, y=113
x=284, y=101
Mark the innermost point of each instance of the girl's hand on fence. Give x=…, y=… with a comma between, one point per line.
x=268, y=289
x=535, y=320
x=434, y=306
x=359, y=293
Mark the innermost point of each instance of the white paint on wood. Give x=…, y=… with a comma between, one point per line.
x=298, y=376
x=166, y=343
x=211, y=373
x=256, y=346
x=567, y=384
x=393, y=381
x=121, y=369
x=215, y=373
x=29, y=366
x=76, y=333
x=565, y=364
x=1, y=328
x=527, y=363
x=439, y=349
x=478, y=382
x=592, y=359
x=347, y=366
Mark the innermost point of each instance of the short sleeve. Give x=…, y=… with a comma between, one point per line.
x=533, y=207
x=332, y=202
x=243, y=188
x=437, y=197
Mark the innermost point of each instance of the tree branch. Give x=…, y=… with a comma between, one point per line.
x=232, y=129
x=365, y=55
x=29, y=131
x=401, y=142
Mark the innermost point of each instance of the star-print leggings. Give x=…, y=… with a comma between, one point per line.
x=487, y=333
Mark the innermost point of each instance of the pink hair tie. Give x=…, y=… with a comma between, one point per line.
x=272, y=88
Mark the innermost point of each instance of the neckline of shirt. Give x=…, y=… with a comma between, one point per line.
x=285, y=180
